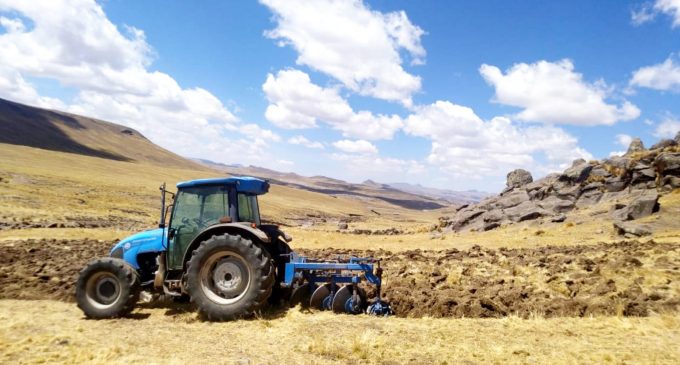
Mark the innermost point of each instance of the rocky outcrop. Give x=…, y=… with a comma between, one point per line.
x=635, y=146
x=628, y=186
x=518, y=178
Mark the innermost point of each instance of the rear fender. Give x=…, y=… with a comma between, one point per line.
x=244, y=230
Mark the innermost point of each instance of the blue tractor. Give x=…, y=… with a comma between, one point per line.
x=215, y=251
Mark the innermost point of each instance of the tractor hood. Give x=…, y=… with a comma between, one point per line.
x=147, y=241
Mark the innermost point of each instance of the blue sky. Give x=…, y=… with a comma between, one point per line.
x=446, y=94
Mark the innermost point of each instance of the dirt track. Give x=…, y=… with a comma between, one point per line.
x=626, y=278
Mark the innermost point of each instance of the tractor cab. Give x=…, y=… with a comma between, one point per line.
x=201, y=204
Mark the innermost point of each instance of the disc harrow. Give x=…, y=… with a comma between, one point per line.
x=335, y=285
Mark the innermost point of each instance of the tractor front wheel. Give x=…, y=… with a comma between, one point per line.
x=107, y=288
x=229, y=277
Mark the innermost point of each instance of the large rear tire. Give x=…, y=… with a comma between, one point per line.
x=228, y=277
x=107, y=288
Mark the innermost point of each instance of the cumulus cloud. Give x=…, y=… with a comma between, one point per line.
x=380, y=168
x=624, y=140
x=350, y=42
x=74, y=43
x=663, y=76
x=359, y=146
x=302, y=141
x=464, y=145
x=295, y=103
x=648, y=11
x=554, y=93
x=668, y=128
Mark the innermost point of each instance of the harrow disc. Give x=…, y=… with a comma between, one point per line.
x=344, y=302
x=300, y=295
x=321, y=298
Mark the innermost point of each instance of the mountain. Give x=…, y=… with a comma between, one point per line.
x=325, y=185
x=64, y=132
x=457, y=197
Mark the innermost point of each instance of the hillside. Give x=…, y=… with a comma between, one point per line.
x=335, y=187
x=64, y=132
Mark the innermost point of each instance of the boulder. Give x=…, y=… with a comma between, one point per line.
x=663, y=144
x=644, y=205
x=599, y=171
x=577, y=173
x=557, y=205
x=614, y=184
x=568, y=192
x=518, y=178
x=491, y=225
x=627, y=228
x=588, y=198
x=667, y=163
x=525, y=211
x=464, y=217
x=343, y=225
x=672, y=182
x=558, y=218
x=635, y=146
x=512, y=199
x=495, y=215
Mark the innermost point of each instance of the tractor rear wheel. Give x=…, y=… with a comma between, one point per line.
x=107, y=288
x=228, y=277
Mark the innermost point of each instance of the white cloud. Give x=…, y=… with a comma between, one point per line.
x=554, y=93
x=648, y=12
x=74, y=43
x=662, y=76
x=463, y=145
x=285, y=162
x=379, y=168
x=352, y=43
x=359, y=146
x=668, y=128
x=295, y=103
x=302, y=141
x=624, y=140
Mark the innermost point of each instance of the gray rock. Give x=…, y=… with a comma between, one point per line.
x=495, y=215
x=343, y=225
x=667, y=163
x=664, y=143
x=557, y=205
x=635, y=146
x=577, y=173
x=558, y=218
x=518, y=178
x=614, y=184
x=599, y=171
x=463, y=217
x=512, y=199
x=644, y=205
x=491, y=225
x=624, y=228
x=588, y=198
x=525, y=211
x=672, y=182
x=568, y=192
x=578, y=161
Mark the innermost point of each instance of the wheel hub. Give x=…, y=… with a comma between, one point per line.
x=225, y=277
x=102, y=289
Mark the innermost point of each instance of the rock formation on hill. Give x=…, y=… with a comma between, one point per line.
x=630, y=185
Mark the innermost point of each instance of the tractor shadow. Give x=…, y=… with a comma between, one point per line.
x=179, y=307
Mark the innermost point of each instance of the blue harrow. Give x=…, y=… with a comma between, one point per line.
x=335, y=284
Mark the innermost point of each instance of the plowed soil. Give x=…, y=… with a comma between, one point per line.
x=626, y=278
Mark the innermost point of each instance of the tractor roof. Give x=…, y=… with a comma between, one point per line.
x=244, y=184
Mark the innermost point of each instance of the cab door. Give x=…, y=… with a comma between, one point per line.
x=195, y=209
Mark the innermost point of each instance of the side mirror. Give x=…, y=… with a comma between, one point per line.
x=171, y=233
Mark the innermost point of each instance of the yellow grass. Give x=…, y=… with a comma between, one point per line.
x=55, y=332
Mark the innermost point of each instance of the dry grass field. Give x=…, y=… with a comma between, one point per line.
x=55, y=332
x=60, y=207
